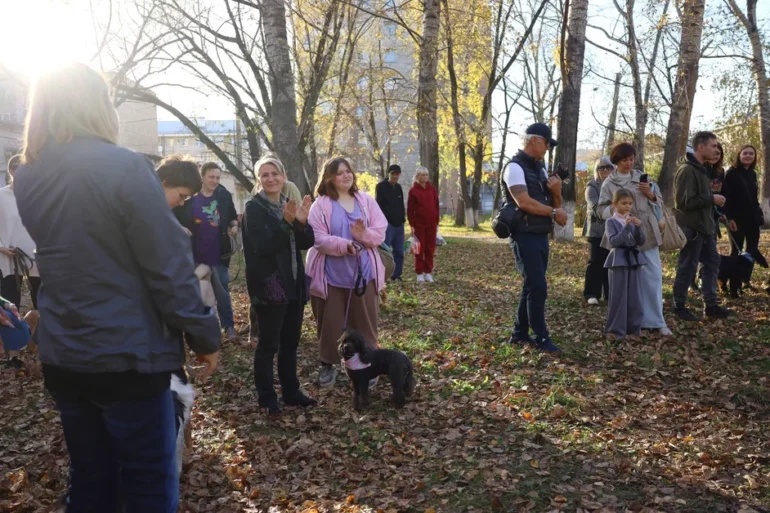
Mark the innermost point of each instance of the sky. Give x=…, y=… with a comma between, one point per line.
x=47, y=32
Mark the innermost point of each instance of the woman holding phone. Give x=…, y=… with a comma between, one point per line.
x=647, y=199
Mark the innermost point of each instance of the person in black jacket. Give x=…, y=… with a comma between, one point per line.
x=390, y=198
x=275, y=231
x=211, y=219
x=742, y=208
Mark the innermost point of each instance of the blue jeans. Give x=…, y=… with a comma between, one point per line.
x=222, y=293
x=121, y=454
x=394, y=237
x=531, y=253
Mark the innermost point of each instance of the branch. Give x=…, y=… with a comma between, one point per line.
x=608, y=50
x=142, y=95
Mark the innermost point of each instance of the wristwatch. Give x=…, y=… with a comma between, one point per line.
x=553, y=213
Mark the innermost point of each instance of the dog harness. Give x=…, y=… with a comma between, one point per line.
x=355, y=363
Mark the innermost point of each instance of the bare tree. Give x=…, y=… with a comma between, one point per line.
x=283, y=102
x=427, y=111
x=684, y=94
x=238, y=50
x=510, y=100
x=464, y=212
x=749, y=22
x=569, y=109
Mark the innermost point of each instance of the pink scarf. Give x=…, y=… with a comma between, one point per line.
x=620, y=218
x=355, y=363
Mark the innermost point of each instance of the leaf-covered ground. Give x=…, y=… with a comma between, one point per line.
x=677, y=424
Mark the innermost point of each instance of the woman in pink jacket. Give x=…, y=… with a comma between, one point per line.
x=344, y=265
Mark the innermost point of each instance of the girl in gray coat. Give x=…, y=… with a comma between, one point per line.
x=625, y=235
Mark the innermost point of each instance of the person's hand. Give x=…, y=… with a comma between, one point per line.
x=644, y=188
x=304, y=210
x=210, y=360
x=561, y=215
x=358, y=229
x=719, y=200
x=554, y=185
x=188, y=232
x=351, y=248
x=9, y=252
x=635, y=220
x=733, y=227
x=5, y=316
x=290, y=211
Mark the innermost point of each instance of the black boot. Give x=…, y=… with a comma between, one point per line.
x=299, y=399
x=271, y=405
x=684, y=314
x=717, y=312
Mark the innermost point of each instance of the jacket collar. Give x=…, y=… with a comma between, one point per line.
x=529, y=159
x=692, y=160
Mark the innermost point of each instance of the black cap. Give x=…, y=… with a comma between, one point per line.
x=543, y=131
x=394, y=168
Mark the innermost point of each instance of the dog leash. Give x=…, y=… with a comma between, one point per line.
x=22, y=264
x=732, y=240
x=360, y=285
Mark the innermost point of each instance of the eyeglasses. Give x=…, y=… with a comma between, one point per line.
x=604, y=168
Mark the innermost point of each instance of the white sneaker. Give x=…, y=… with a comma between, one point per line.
x=429, y=278
x=665, y=332
x=593, y=301
x=420, y=278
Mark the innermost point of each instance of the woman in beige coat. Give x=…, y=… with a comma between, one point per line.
x=647, y=200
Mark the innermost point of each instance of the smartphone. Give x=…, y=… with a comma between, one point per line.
x=562, y=173
x=644, y=178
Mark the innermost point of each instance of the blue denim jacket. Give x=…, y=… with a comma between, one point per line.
x=118, y=283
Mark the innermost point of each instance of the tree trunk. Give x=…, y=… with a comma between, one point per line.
x=457, y=122
x=427, y=116
x=684, y=94
x=613, y=116
x=569, y=110
x=283, y=119
x=749, y=21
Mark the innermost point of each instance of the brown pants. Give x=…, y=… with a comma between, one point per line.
x=329, y=315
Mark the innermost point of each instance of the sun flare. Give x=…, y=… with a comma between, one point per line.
x=42, y=34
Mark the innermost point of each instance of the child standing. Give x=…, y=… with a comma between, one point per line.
x=624, y=236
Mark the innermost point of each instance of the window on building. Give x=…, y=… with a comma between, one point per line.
x=390, y=57
x=389, y=28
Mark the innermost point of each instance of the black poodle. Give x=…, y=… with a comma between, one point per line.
x=363, y=364
x=737, y=270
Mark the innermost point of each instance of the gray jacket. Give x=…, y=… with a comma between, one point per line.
x=594, y=225
x=625, y=240
x=117, y=271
